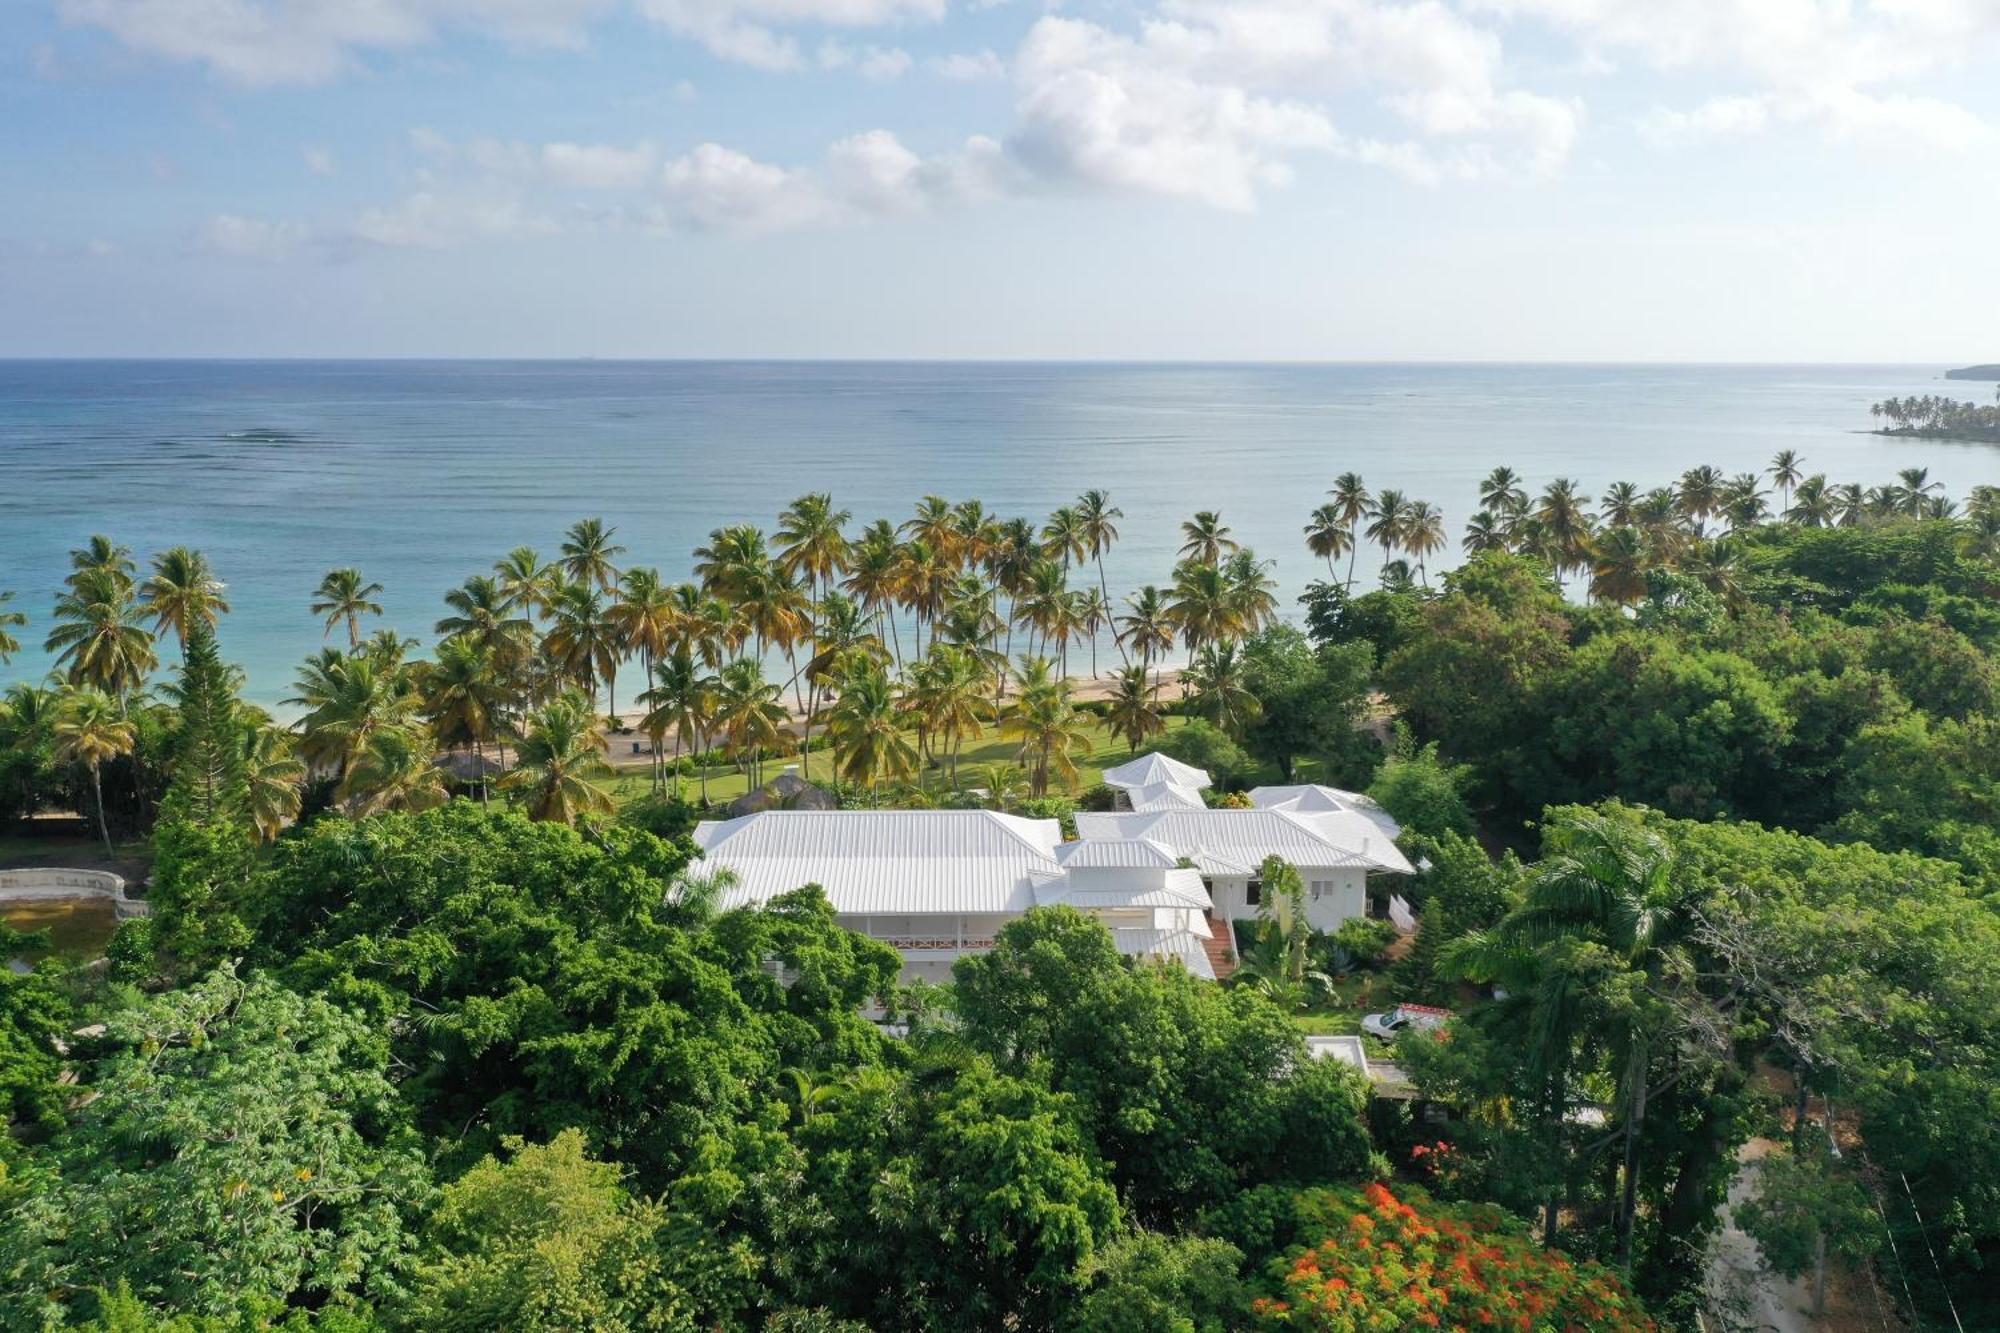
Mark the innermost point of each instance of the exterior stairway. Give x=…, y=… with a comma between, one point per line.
x=1220, y=956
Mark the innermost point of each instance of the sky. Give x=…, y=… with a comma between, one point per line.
x=1654, y=180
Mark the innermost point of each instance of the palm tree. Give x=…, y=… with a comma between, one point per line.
x=396, y=770
x=1565, y=523
x=874, y=576
x=1785, y=474
x=1502, y=492
x=1621, y=505
x=1202, y=610
x=1327, y=536
x=748, y=715
x=1063, y=537
x=1915, y=490
x=90, y=728
x=526, y=584
x=1042, y=604
x=98, y=640
x=467, y=699
x=1043, y=720
x=9, y=622
x=678, y=702
x=484, y=612
x=810, y=542
x=1423, y=534
x=347, y=698
x=1700, y=494
x=1217, y=688
x=1385, y=522
x=1100, y=532
x=935, y=524
x=949, y=694
x=588, y=552
x=1207, y=538
x=866, y=728
x=643, y=616
x=182, y=592
x=1253, y=596
x=274, y=775
x=561, y=763
x=344, y=595
x=1482, y=534
x=1618, y=567
x=1742, y=502
x=1147, y=627
x=583, y=640
x=1812, y=506
x=1134, y=717
x=1351, y=504
x=101, y=556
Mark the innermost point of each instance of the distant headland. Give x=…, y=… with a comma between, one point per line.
x=1986, y=372
x=1936, y=418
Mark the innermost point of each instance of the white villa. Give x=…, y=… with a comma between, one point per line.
x=1165, y=876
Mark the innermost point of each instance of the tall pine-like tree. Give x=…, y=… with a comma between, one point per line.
x=208, y=784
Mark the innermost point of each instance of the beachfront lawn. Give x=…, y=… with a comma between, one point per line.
x=726, y=783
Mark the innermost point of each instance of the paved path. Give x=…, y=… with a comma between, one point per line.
x=1742, y=1293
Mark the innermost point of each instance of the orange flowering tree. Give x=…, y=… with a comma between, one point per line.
x=1411, y=1263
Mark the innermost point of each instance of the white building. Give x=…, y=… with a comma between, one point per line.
x=1165, y=876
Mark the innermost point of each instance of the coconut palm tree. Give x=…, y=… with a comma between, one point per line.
x=704, y=626
x=1785, y=474
x=1914, y=491
x=1699, y=495
x=1093, y=614
x=1100, y=532
x=348, y=697
x=678, y=701
x=467, y=699
x=1203, y=609
x=101, y=556
x=9, y=622
x=97, y=639
x=811, y=543
x=1483, y=534
x=1253, y=593
x=91, y=728
x=1351, y=504
x=1619, y=561
x=1813, y=504
x=1064, y=538
x=275, y=776
x=1045, y=723
x=1423, y=534
x=561, y=763
x=1565, y=523
x=395, y=770
x=1621, y=505
x=583, y=640
x=874, y=577
x=181, y=592
x=343, y=595
x=1327, y=536
x=935, y=524
x=588, y=553
x=1147, y=627
x=1206, y=538
x=1385, y=522
x=1134, y=716
x=747, y=715
x=866, y=728
x=643, y=616
x=949, y=695
x=483, y=612
x=1042, y=605
x=1218, y=690
x=527, y=585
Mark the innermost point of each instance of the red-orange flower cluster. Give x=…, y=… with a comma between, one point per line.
x=1413, y=1263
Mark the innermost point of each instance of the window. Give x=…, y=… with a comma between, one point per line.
x=1322, y=888
x=1253, y=892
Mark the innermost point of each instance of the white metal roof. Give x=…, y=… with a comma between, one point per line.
x=1234, y=841
x=1115, y=888
x=1345, y=1048
x=1314, y=799
x=1164, y=796
x=1168, y=944
x=1149, y=769
x=886, y=862
x=1117, y=852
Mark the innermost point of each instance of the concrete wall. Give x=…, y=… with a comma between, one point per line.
x=1343, y=896
x=41, y=884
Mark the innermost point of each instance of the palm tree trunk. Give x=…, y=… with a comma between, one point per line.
x=1104, y=588
x=97, y=785
x=1628, y=1204
x=1353, y=554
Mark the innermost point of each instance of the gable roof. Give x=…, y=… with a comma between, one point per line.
x=1121, y=852
x=884, y=861
x=1155, y=768
x=1164, y=796
x=1235, y=842
x=1115, y=889
x=1314, y=799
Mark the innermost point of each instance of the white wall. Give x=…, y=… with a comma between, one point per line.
x=1344, y=897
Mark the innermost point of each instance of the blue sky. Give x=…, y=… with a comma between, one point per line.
x=1284, y=179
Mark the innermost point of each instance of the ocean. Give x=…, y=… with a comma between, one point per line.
x=422, y=473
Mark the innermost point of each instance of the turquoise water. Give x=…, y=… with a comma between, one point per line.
x=424, y=472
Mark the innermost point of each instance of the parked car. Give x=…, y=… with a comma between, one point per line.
x=1403, y=1018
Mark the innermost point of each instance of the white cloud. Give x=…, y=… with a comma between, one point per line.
x=1816, y=63
x=1102, y=109
x=875, y=63
x=599, y=166
x=251, y=238
x=969, y=66
x=261, y=43
x=717, y=188
x=318, y=160
x=436, y=218
x=752, y=32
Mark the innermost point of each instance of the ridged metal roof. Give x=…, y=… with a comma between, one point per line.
x=1149, y=769
x=1227, y=839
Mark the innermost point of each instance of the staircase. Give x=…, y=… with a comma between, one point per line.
x=1221, y=956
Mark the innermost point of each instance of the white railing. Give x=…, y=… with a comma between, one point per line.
x=41, y=884
x=934, y=943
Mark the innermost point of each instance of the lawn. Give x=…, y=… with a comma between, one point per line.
x=726, y=783
x=1357, y=993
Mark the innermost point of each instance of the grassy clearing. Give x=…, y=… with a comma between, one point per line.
x=726, y=783
x=1358, y=993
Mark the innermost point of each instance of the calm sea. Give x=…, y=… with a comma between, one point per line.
x=422, y=473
